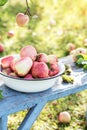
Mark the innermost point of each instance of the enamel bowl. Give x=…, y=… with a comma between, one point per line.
x=31, y=85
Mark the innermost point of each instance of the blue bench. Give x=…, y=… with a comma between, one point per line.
x=14, y=101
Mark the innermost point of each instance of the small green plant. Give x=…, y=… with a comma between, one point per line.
x=82, y=61
x=66, y=77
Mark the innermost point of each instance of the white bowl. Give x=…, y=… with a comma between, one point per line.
x=31, y=85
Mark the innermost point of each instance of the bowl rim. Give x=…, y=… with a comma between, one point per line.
x=36, y=79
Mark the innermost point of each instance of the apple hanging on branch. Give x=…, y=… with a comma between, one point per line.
x=22, y=19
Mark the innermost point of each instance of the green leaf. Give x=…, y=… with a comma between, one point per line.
x=79, y=56
x=2, y=2
x=85, y=67
x=1, y=96
x=48, y=64
x=85, y=57
x=79, y=61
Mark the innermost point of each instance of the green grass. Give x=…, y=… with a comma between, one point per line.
x=53, y=24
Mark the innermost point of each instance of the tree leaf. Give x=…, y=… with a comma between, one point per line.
x=2, y=2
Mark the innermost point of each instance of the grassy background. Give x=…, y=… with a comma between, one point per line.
x=53, y=24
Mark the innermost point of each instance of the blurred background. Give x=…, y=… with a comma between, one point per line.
x=53, y=25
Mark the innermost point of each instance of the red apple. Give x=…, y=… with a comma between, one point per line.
x=23, y=66
x=42, y=57
x=28, y=51
x=22, y=19
x=52, y=58
x=54, y=69
x=1, y=47
x=64, y=117
x=5, y=61
x=28, y=76
x=11, y=33
x=39, y=70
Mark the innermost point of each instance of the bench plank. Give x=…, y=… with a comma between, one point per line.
x=3, y=123
x=31, y=116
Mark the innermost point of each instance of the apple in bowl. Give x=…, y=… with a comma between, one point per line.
x=27, y=74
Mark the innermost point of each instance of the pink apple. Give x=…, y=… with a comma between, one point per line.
x=52, y=22
x=81, y=51
x=1, y=47
x=5, y=61
x=54, y=69
x=13, y=63
x=13, y=74
x=78, y=51
x=28, y=76
x=22, y=19
x=42, y=57
x=71, y=47
x=23, y=66
x=28, y=51
x=11, y=33
x=52, y=58
x=40, y=70
x=64, y=117
x=7, y=71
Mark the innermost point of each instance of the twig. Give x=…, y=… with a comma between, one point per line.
x=28, y=9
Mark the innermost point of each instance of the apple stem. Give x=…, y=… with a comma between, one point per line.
x=28, y=9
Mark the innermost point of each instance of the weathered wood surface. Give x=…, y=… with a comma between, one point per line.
x=14, y=101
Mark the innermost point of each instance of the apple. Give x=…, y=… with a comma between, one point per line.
x=28, y=76
x=78, y=51
x=64, y=117
x=13, y=63
x=52, y=58
x=39, y=70
x=1, y=47
x=13, y=74
x=11, y=33
x=54, y=69
x=71, y=47
x=22, y=19
x=7, y=71
x=5, y=61
x=52, y=22
x=23, y=66
x=42, y=57
x=28, y=51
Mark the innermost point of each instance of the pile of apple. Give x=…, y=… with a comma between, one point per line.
x=30, y=64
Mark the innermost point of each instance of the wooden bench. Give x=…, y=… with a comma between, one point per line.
x=14, y=101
